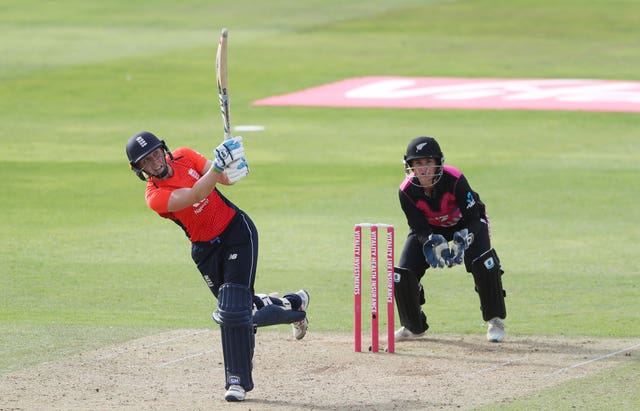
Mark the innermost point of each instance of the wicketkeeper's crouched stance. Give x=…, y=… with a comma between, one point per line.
x=440, y=206
x=181, y=186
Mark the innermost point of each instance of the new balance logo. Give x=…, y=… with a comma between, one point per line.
x=233, y=256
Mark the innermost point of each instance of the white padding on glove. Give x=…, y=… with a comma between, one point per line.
x=237, y=170
x=227, y=152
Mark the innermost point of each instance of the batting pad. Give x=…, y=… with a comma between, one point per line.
x=238, y=339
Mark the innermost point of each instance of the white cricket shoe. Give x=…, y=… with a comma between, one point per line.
x=495, y=330
x=403, y=335
x=235, y=393
x=300, y=327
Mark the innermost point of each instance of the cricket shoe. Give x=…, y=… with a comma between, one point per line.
x=403, y=335
x=300, y=327
x=235, y=393
x=495, y=330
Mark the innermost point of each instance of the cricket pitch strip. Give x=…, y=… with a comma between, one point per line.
x=183, y=369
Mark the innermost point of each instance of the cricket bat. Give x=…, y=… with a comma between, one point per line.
x=222, y=76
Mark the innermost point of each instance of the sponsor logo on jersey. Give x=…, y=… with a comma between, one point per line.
x=193, y=173
x=470, y=200
x=198, y=207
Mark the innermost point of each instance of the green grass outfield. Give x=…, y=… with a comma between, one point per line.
x=85, y=263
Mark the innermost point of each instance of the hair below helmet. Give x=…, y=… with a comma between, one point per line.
x=141, y=145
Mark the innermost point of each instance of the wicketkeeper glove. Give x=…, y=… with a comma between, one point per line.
x=237, y=170
x=227, y=152
x=436, y=251
x=458, y=245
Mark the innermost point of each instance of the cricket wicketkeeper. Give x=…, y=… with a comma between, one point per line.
x=440, y=206
x=181, y=186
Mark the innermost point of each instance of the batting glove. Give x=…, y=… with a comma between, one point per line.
x=436, y=251
x=237, y=170
x=458, y=245
x=227, y=152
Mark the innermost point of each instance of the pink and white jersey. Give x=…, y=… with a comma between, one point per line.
x=452, y=204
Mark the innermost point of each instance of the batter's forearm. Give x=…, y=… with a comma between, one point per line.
x=205, y=185
x=185, y=197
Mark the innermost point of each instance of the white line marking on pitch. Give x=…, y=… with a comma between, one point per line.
x=175, y=338
x=186, y=357
x=117, y=353
x=495, y=367
x=602, y=357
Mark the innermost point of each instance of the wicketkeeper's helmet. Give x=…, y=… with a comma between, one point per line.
x=424, y=147
x=141, y=145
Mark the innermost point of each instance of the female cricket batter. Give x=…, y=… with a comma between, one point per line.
x=181, y=186
x=440, y=206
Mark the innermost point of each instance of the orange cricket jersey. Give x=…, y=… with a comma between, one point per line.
x=202, y=221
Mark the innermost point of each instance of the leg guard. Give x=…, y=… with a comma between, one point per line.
x=290, y=301
x=274, y=314
x=409, y=297
x=487, y=277
x=236, y=328
x=400, y=271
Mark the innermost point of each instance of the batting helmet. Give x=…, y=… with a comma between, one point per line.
x=141, y=145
